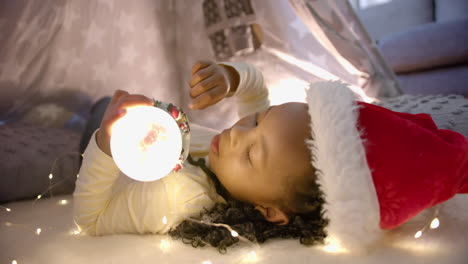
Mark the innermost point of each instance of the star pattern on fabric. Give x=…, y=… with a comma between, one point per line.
x=71, y=17
x=126, y=23
x=317, y=59
x=108, y=3
x=101, y=72
x=76, y=62
x=150, y=35
x=94, y=35
x=21, y=25
x=149, y=67
x=61, y=58
x=299, y=27
x=133, y=87
x=128, y=54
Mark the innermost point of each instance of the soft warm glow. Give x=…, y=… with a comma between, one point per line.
x=333, y=246
x=287, y=90
x=164, y=245
x=8, y=224
x=234, y=233
x=63, y=202
x=320, y=72
x=8, y=209
x=435, y=223
x=251, y=257
x=164, y=220
x=146, y=143
x=418, y=234
x=51, y=176
x=38, y=231
x=207, y=262
x=74, y=232
x=14, y=262
x=39, y=196
x=77, y=176
x=304, y=65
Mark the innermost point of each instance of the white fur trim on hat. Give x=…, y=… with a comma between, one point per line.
x=338, y=154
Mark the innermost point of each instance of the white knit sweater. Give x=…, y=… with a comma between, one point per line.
x=108, y=202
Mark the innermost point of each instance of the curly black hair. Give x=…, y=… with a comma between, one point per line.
x=308, y=226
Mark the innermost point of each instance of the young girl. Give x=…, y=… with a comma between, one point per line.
x=333, y=169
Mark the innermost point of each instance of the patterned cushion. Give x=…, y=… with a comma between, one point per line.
x=28, y=153
x=447, y=111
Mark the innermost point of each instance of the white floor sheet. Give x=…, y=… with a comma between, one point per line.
x=43, y=232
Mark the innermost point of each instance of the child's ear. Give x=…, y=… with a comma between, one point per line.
x=273, y=214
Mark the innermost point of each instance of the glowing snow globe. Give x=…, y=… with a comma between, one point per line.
x=149, y=142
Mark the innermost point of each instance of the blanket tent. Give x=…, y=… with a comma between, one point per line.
x=57, y=58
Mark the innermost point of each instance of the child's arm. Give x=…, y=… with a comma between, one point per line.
x=106, y=202
x=251, y=93
x=212, y=82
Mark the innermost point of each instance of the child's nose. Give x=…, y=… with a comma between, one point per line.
x=238, y=134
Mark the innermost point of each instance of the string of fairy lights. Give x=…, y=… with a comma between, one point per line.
x=435, y=223
x=165, y=244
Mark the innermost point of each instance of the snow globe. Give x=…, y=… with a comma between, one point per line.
x=149, y=142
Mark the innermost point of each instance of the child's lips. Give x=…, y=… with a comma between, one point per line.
x=215, y=144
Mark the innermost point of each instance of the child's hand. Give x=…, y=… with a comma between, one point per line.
x=210, y=83
x=115, y=110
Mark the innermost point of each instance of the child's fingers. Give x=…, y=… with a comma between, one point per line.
x=205, y=85
x=118, y=94
x=119, y=107
x=201, y=75
x=200, y=65
x=208, y=98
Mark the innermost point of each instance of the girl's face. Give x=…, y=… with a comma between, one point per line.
x=260, y=155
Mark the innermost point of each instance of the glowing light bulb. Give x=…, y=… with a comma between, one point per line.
x=8, y=209
x=38, y=231
x=74, y=232
x=165, y=245
x=51, y=176
x=251, y=257
x=146, y=143
x=435, y=223
x=234, y=233
x=418, y=234
x=334, y=246
x=39, y=196
x=14, y=262
x=63, y=202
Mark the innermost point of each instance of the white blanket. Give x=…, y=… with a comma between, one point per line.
x=57, y=242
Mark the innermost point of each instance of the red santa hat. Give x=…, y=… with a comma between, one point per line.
x=378, y=168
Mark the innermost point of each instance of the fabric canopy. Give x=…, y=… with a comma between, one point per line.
x=74, y=52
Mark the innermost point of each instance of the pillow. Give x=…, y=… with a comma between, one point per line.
x=389, y=17
x=428, y=46
x=28, y=154
x=450, y=10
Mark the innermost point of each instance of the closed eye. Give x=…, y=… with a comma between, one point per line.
x=250, y=147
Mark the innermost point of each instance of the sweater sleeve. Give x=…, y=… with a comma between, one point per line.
x=108, y=202
x=251, y=93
